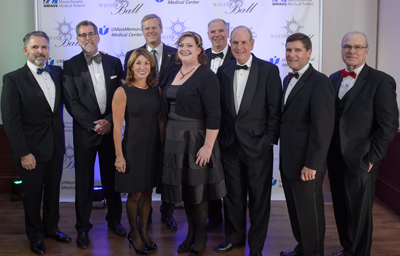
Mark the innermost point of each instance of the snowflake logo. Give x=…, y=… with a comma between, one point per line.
x=64, y=28
x=121, y=2
x=120, y=56
x=69, y=156
x=292, y=26
x=233, y=3
x=178, y=27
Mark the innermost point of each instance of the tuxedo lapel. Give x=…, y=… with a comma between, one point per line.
x=57, y=84
x=229, y=56
x=336, y=81
x=230, y=72
x=353, y=92
x=33, y=84
x=83, y=67
x=250, y=89
x=298, y=86
x=286, y=81
x=107, y=74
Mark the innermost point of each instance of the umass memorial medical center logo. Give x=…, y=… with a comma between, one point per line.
x=63, y=3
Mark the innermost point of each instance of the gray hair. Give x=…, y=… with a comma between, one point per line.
x=85, y=23
x=215, y=20
x=353, y=33
x=248, y=30
x=152, y=16
x=35, y=33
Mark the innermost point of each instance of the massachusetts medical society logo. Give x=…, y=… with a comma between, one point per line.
x=236, y=6
x=292, y=2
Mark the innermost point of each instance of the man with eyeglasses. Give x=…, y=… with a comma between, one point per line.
x=90, y=80
x=366, y=122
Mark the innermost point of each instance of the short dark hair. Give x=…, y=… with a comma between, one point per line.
x=300, y=37
x=202, y=58
x=85, y=23
x=151, y=78
x=151, y=16
x=35, y=33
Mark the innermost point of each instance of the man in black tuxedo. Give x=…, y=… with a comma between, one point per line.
x=31, y=106
x=251, y=112
x=219, y=54
x=365, y=124
x=90, y=79
x=165, y=57
x=306, y=131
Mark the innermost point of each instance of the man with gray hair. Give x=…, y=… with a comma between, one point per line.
x=218, y=55
x=31, y=106
x=90, y=80
x=165, y=57
x=366, y=122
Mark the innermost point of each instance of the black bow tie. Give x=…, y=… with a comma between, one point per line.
x=90, y=59
x=217, y=55
x=295, y=75
x=41, y=70
x=245, y=67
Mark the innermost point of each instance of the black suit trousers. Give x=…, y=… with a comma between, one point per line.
x=305, y=203
x=43, y=180
x=84, y=175
x=353, y=198
x=252, y=175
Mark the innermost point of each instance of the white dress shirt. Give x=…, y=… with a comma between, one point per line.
x=217, y=62
x=46, y=83
x=294, y=80
x=159, y=53
x=99, y=84
x=239, y=83
x=348, y=82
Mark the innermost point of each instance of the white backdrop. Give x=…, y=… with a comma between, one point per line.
x=271, y=22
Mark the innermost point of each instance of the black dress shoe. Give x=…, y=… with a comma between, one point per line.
x=212, y=224
x=60, y=237
x=290, y=253
x=83, y=240
x=38, y=248
x=118, y=229
x=341, y=253
x=170, y=222
x=227, y=247
x=143, y=251
x=151, y=247
x=255, y=253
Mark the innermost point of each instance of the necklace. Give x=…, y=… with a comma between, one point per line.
x=145, y=87
x=183, y=75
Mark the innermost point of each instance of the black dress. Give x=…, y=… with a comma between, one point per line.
x=141, y=143
x=182, y=179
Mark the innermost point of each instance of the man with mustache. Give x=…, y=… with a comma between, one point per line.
x=31, y=106
x=90, y=80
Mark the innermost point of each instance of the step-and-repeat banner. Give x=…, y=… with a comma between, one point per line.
x=119, y=23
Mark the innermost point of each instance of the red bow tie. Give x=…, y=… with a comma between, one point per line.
x=296, y=75
x=346, y=73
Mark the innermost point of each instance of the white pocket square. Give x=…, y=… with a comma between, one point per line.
x=112, y=77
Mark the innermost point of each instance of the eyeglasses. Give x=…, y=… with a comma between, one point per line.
x=84, y=35
x=358, y=48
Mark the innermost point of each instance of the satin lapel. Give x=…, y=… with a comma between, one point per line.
x=360, y=82
x=57, y=83
x=336, y=82
x=31, y=81
x=250, y=89
x=298, y=86
x=208, y=53
x=83, y=67
x=166, y=58
x=229, y=56
x=286, y=81
x=230, y=73
x=107, y=74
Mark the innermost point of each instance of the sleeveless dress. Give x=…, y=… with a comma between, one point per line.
x=141, y=142
x=182, y=179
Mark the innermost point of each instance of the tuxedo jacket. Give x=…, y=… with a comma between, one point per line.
x=369, y=120
x=30, y=124
x=80, y=97
x=228, y=58
x=256, y=126
x=308, y=120
x=168, y=62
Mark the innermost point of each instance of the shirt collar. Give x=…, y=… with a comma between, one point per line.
x=33, y=67
x=303, y=70
x=248, y=63
x=357, y=70
x=159, y=49
x=225, y=50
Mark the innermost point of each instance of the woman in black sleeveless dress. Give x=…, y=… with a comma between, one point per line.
x=138, y=102
x=192, y=168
